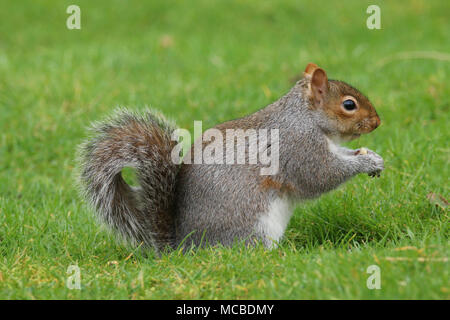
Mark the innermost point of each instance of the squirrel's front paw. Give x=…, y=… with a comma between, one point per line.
x=373, y=163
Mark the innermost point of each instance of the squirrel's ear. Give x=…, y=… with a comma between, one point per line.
x=319, y=85
x=310, y=69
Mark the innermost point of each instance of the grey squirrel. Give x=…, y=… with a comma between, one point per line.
x=194, y=204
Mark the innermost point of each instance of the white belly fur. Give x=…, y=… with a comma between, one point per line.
x=273, y=223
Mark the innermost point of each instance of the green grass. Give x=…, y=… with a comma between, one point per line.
x=224, y=60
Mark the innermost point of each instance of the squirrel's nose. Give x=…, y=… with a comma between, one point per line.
x=377, y=122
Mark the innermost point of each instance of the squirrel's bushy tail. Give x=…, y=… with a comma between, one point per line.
x=141, y=214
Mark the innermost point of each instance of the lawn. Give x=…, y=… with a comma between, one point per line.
x=214, y=61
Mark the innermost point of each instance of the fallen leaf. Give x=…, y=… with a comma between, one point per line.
x=129, y=256
x=166, y=41
x=437, y=200
x=376, y=259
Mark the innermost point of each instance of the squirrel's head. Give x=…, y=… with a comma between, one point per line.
x=345, y=112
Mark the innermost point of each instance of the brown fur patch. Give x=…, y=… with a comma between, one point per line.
x=270, y=184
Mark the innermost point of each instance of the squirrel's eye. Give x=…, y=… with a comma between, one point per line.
x=349, y=105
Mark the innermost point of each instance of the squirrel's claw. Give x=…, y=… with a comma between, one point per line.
x=376, y=174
